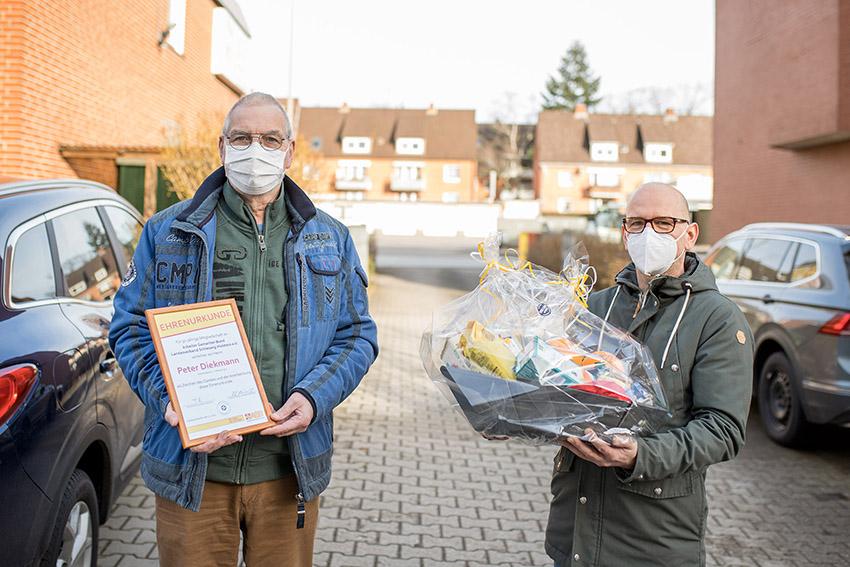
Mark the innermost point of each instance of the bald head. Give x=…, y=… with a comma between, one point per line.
x=652, y=200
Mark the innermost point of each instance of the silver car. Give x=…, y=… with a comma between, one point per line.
x=792, y=282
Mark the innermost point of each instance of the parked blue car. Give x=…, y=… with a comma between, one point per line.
x=70, y=427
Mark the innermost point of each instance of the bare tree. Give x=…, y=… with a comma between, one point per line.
x=686, y=99
x=506, y=143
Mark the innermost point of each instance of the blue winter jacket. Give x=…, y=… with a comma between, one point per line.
x=328, y=349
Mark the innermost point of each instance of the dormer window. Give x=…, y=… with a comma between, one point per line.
x=658, y=153
x=604, y=151
x=410, y=146
x=356, y=145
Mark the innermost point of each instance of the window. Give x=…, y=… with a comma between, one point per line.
x=658, y=177
x=604, y=178
x=565, y=179
x=356, y=145
x=316, y=143
x=32, y=267
x=88, y=264
x=451, y=174
x=763, y=258
x=352, y=170
x=724, y=261
x=658, y=153
x=410, y=146
x=805, y=263
x=177, y=25
x=604, y=151
x=127, y=230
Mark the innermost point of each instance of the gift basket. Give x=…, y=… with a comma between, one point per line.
x=521, y=356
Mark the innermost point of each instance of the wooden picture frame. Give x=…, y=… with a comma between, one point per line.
x=166, y=322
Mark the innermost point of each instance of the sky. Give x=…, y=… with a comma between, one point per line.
x=470, y=53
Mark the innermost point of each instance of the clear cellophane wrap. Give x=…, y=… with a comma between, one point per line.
x=521, y=356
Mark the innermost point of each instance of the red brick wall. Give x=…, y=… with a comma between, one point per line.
x=781, y=71
x=89, y=72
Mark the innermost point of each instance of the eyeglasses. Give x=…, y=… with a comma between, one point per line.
x=241, y=140
x=661, y=225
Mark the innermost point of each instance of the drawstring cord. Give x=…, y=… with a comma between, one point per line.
x=687, y=287
x=607, y=314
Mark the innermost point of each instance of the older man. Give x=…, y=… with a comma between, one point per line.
x=252, y=234
x=642, y=502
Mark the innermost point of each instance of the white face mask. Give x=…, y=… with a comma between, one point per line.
x=653, y=253
x=254, y=170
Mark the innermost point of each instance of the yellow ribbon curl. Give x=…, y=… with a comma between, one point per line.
x=580, y=284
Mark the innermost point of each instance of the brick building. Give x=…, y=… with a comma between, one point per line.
x=782, y=112
x=398, y=154
x=92, y=88
x=585, y=163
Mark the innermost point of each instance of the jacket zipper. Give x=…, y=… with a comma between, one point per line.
x=255, y=325
x=291, y=332
x=305, y=313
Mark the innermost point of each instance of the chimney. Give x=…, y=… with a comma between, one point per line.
x=580, y=112
x=344, y=109
x=670, y=115
x=432, y=111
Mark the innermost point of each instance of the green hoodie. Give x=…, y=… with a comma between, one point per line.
x=249, y=267
x=655, y=514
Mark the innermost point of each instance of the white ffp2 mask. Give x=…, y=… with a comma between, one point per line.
x=254, y=170
x=653, y=253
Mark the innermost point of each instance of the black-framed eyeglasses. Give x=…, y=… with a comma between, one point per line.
x=241, y=140
x=661, y=225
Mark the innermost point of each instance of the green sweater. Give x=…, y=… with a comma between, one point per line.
x=249, y=267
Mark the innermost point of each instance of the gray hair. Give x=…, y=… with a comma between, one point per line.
x=257, y=99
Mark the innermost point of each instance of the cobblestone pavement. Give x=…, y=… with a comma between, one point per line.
x=413, y=485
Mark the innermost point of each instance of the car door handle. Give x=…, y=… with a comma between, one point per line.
x=108, y=365
x=767, y=298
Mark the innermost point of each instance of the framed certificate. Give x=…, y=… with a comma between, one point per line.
x=209, y=370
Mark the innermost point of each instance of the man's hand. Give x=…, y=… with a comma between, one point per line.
x=223, y=439
x=622, y=452
x=171, y=415
x=294, y=417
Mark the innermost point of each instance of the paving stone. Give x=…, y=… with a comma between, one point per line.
x=414, y=485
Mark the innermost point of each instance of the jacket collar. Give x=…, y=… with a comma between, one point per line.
x=697, y=274
x=201, y=208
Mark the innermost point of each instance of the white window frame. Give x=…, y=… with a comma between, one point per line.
x=451, y=173
x=356, y=145
x=656, y=152
x=177, y=25
x=605, y=151
x=353, y=169
x=605, y=177
x=410, y=146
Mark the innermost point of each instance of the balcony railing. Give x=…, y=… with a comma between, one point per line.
x=398, y=184
x=353, y=184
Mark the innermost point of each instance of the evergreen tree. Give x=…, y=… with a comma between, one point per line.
x=574, y=82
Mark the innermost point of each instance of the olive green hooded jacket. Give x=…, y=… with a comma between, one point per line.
x=655, y=514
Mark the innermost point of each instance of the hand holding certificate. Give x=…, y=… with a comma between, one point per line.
x=209, y=371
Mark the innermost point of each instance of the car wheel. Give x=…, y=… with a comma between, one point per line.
x=74, y=539
x=779, y=403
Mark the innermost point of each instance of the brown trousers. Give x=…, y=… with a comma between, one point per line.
x=264, y=513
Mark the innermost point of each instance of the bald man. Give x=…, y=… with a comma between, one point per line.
x=641, y=501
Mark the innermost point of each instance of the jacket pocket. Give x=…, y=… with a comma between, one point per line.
x=673, y=487
x=324, y=280
x=564, y=461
